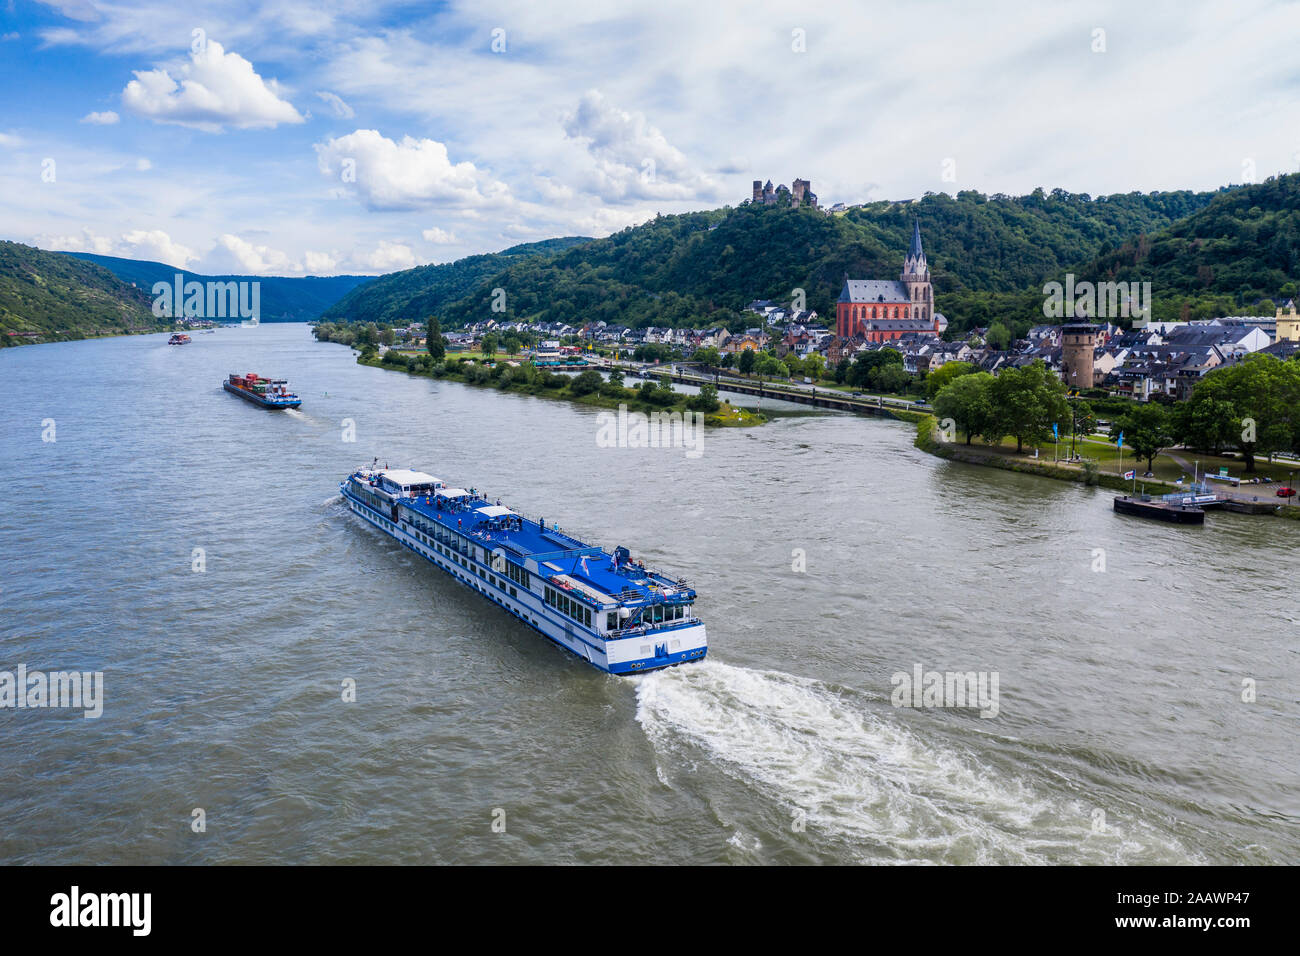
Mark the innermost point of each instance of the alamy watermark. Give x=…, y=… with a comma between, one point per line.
x=656, y=430
x=958, y=690
x=1096, y=300
x=36, y=689
x=208, y=300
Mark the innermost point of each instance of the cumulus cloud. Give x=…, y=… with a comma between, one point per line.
x=411, y=174
x=153, y=245
x=439, y=237
x=387, y=257
x=157, y=245
x=211, y=91
x=106, y=118
x=336, y=104
x=235, y=254
x=318, y=263
x=86, y=241
x=633, y=159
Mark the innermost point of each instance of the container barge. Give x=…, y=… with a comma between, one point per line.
x=264, y=392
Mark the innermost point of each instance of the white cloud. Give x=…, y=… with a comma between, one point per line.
x=387, y=257
x=106, y=118
x=75, y=9
x=10, y=140
x=214, y=89
x=633, y=159
x=412, y=174
x=156, y=245
x=153, y=245
x=87, y=241
x=439, y=236
x=143, y=165
x=236, y=255
x=336, y=104
x=318, y=263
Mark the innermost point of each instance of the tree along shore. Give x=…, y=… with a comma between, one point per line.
x=586, y=388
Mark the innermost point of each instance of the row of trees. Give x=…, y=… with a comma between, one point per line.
x=1252, y=407
x=1021, y=402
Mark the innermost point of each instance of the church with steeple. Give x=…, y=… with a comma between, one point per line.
x=879, y=310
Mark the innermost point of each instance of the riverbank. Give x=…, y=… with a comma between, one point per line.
x=14, y=340
x=1087, y=473
x=650, y=398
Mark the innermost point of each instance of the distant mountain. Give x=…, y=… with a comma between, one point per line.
x=283, y=298
x=46, y=296
x=415, y=294
x=989, y=256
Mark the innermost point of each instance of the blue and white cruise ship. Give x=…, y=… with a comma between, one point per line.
x=606, y=608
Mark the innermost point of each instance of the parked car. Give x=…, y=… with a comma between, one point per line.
x=1286, y=492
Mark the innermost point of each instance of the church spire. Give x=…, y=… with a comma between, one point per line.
x=916, y=252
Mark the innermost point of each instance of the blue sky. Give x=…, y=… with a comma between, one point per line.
x=296, y=137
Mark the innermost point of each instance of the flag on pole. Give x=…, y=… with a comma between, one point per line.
x=1055, y=434
x=1120, y=443
x=1129, y=474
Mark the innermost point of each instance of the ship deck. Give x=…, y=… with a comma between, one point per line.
x=556, y=553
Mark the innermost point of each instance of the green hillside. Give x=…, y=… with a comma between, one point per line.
x=283, y=298
x=47, y=296
x=1236, y=255
x=417, y=293
x=989, y=257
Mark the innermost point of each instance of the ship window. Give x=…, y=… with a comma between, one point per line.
x=611, y=621
x=586, y=616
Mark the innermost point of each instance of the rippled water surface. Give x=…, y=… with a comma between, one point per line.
x=1121, y=735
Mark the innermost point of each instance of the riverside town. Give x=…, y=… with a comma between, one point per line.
x=630, y=434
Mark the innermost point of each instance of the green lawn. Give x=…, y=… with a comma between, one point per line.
x=1165, y=467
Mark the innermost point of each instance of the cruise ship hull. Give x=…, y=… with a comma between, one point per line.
x=638, y=654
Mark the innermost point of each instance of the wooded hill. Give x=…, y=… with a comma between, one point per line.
x=402, y=297
x=989, y=257
x=57, y=297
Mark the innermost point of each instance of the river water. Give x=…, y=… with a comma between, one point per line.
x=829, y=556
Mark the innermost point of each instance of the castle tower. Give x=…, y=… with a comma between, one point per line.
x=916, y=278
x=1079, y=342
x=758, y=190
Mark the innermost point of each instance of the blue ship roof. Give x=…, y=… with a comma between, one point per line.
x=555, y=552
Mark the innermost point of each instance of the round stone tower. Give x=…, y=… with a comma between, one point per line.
x=1078, y=343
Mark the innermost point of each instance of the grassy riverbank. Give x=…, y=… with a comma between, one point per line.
x=1089, y=472
x=588, y=388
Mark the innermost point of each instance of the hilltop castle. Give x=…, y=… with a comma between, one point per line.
x=801, y=193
